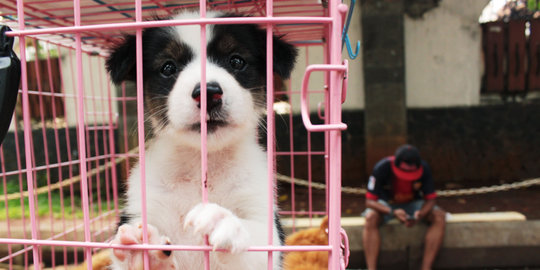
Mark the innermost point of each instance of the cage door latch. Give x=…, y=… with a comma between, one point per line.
x=304, y=107
x=10, y=76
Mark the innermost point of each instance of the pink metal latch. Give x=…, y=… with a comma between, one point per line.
x=343, y=69
x=344, y=260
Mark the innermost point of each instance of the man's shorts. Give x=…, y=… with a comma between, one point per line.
x=409, y=208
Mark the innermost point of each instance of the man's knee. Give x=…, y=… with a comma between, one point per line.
x=438, y=217
x=373, y=219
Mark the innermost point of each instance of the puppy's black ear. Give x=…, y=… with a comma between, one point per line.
x=284, y=57
x=121, y=62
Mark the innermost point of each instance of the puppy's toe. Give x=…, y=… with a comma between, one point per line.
x=120, y=254
x=133, y=259
x=224, y=229
x=230, y=234
x=162, y=254
x=128, y=235
x=204, y=217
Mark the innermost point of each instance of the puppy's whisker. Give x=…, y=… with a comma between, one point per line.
x=152, y=118
x=262, y=124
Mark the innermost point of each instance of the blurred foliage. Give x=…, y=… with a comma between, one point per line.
x=533, y=5
x=57, y=204
x=35, y=47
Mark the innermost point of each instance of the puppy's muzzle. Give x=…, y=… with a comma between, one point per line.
x=213, y=96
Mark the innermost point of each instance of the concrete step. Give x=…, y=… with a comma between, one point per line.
x=451, y=218
x=472, y=240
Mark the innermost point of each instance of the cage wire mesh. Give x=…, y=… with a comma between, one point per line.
x=74, y=136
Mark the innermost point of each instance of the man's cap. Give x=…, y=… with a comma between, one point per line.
x=410, y=155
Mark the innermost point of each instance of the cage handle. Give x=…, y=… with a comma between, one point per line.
x=345, y=251
x=320, y=110
x=304, y=108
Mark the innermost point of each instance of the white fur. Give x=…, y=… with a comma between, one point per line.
x=237, y=216
x=237, y=102
x=237, y=186
x=191, y=34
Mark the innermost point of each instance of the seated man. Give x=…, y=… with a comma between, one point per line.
x=401, y=186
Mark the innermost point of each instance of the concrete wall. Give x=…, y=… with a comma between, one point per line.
x=94, y=85
x=443, y=55
x=442, y=52
x=443, y=61
x=315, y=55
x=355, y=92
x=467, y=145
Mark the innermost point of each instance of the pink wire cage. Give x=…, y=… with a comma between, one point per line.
x=70, y=145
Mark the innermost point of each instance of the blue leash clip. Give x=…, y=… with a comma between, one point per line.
x=345, y=37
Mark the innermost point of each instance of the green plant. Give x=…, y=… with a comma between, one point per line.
x=533, y=5
x=59, y=205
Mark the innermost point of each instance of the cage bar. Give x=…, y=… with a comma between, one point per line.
x=81, y=135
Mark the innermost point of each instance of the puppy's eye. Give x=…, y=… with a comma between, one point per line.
x=237, y=62
x=168, y=69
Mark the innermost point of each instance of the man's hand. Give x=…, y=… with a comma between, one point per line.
x=402, y=216
x=417, y=215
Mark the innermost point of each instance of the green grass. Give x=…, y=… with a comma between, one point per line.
x=15, y=209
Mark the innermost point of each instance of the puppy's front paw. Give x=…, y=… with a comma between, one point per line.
x=133, y=259
x=225, y=230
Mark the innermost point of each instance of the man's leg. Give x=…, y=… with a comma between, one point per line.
x=371, y=238
x=434, y=237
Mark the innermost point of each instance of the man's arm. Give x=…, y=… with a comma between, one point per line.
x=424, y=211
x=400, y=214
x=379, y=207
x=428, y=188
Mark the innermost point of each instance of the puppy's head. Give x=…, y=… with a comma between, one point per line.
x=235, y=77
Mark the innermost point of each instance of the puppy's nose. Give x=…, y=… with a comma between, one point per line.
x=213, y=95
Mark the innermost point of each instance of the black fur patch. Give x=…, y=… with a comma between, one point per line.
x=167, y=252
x=160, y=45
x=163, y=45
x=279, y=228
x=249, y=42
x=124, y=219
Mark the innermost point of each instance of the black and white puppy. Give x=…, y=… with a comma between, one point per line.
x=236, y=216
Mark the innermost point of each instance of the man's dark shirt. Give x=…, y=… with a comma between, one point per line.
x=383, y=184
